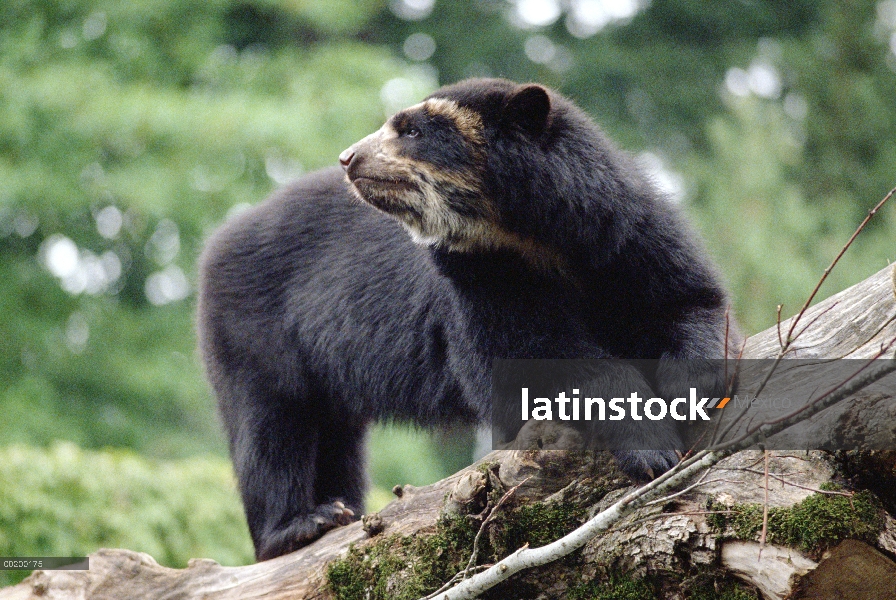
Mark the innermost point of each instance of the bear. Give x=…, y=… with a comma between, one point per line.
x=493, y=220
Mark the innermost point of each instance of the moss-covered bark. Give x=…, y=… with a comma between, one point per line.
x=813, y=525
x=399, y=568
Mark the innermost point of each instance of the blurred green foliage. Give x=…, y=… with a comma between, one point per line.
x=129, y=131
x=64, y=501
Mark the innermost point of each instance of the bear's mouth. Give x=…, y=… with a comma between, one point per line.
x=390, y=195
x=384, y=183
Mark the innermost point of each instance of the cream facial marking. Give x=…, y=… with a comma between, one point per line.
x=438, y=206
x=467, y=121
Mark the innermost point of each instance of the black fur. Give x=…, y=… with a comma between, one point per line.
x=319, y=315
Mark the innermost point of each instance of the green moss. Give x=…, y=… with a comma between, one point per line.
x=455, y=533
x=344, y=579
x=734, y=592
x=819, y=521
x=619, y=587
x=487, y=466
x=537, y=524
x=411, y=567
x=715, y=584
x=706, y=584
x=401, y=568
x=746, y=520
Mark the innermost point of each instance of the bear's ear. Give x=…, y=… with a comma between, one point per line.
x=529, y=107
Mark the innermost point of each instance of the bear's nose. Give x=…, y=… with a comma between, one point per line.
x=345, y=159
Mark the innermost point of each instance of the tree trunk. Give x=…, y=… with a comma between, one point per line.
x=705, y=539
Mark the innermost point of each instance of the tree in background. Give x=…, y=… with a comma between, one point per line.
x=128, y=131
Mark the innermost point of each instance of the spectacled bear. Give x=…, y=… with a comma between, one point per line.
x=492, y=220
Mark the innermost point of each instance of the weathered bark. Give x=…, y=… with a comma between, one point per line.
x=853, y=325
x=674, y=538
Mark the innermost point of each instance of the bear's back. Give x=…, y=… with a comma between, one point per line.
x=312, y=280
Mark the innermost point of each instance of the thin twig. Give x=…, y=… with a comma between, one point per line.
x=764, y=531
x=843, y=250
x=729, y=390
x=746, y=409
x=491, y=517
x=778, y=324
x=814, y=319
x=848, y=494
x=727, y=337
x=685, y=490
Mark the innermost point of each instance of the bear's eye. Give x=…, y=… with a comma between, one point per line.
x=411, y=132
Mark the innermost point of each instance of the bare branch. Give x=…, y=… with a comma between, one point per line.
x=764, y=531
x=833, y=264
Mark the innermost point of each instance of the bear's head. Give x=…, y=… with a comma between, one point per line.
x=484, y=163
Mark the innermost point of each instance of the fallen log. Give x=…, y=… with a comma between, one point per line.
x=678, y=543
